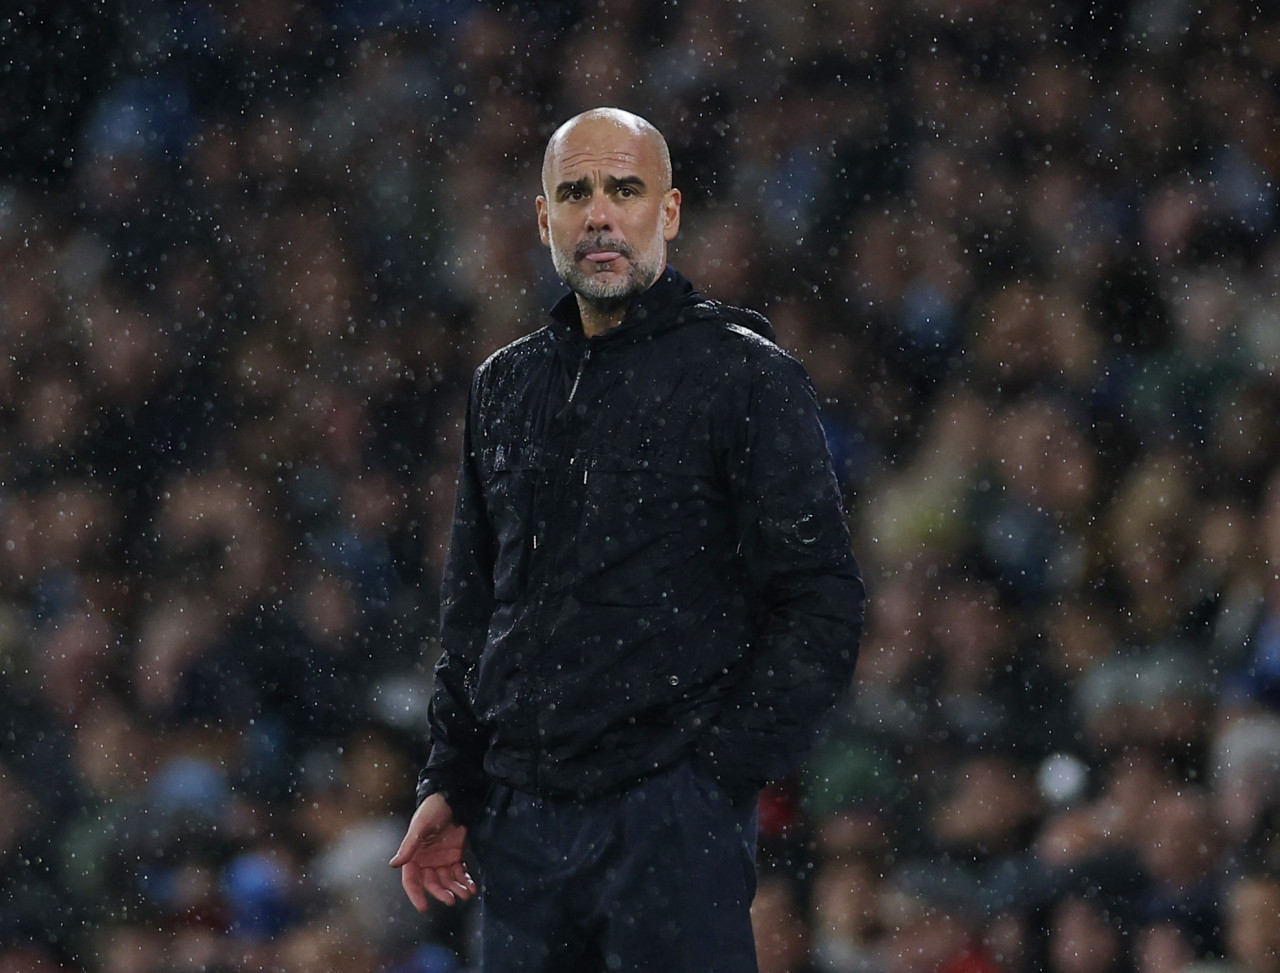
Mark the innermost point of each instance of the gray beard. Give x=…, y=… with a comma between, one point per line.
x=598, y=294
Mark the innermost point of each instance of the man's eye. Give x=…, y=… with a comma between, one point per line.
x=626, y=192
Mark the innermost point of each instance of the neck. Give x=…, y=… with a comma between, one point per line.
x=597, y=320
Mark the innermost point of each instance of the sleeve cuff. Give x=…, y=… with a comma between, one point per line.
x=466, y=801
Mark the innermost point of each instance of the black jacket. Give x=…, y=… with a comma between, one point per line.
x=649, y=560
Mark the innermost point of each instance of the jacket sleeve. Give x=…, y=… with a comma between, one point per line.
x=455, y=765
x=796, y=552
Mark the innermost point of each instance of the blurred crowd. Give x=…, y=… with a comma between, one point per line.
x=1030, y=254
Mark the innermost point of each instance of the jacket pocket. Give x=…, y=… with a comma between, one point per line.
x=511, y=473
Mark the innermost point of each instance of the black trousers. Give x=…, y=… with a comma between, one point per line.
x=656, y=878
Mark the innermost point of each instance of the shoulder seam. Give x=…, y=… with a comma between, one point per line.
x=741, y=318
x=509, y=349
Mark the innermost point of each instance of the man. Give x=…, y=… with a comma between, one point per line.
x=649, y=602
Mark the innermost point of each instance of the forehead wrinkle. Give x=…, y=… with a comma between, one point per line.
x=589, y=159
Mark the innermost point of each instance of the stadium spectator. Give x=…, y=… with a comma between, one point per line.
x=1028, y=252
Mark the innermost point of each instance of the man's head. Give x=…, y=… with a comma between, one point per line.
x=607, y=208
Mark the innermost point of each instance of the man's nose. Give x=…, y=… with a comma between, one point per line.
x=599, y=214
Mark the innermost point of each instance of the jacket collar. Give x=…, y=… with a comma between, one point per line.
x=647, y=309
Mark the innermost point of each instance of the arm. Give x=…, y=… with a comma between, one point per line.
x=430, y=856
x=796, y=553
x=458, y=741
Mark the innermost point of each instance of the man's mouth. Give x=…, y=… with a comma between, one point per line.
x=602, y=252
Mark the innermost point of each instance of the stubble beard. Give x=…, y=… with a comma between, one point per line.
x=606, y=295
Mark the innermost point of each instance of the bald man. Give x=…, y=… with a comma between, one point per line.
x=649, y=603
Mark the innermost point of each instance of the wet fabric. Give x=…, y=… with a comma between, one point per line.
x=649, y=560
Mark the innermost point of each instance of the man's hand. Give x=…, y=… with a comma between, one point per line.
x=430, y=857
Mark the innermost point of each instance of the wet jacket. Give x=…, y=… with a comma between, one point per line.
x=648, y=562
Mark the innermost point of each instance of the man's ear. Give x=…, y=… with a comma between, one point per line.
x=544, y=232
x=671, y=215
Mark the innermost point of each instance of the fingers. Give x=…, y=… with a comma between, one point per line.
x=462, y=881
x=414, y=837
x=449, y=885
x=441, y=891
x=430, y=857
x=405, y=852
x=446, y=885
x=411, y=880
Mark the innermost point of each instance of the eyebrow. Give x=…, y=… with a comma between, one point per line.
x=611, y=183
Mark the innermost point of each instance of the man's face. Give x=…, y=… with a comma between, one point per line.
x=607, y=213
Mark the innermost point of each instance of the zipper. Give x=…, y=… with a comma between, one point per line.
x=577, y=379
x=537, y=770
